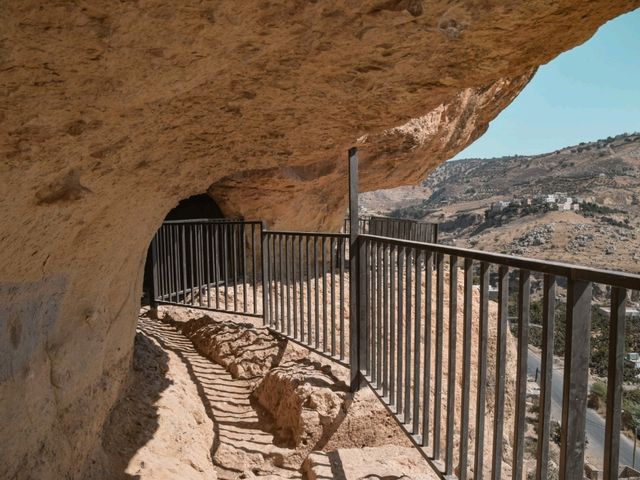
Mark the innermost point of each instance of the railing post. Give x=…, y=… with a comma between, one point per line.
x=614, y=383
x=576, y=380
x=354, y=273
x=265, y=279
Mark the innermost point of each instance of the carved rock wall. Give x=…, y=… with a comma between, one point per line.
x=111, y=112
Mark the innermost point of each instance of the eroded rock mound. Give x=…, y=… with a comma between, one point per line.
x=305, y=401
x=245, y=351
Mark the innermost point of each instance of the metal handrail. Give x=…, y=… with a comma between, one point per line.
x=571, y=271
x=212, y=220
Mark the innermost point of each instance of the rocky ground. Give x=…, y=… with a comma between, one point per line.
x=267, y=408
x=228, y=400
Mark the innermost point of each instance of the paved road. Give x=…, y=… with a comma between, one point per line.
x=595, y=424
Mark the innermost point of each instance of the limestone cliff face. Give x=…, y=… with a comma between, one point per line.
x=111, y=112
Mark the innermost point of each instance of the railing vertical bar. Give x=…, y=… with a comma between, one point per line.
x=483, y=329
x=254, y=266
x=301, y=286
x=343, y=333
x=426, y=402
x=277, y=287
x=266, y=310
x=216, y=256
x=287, y=280
x=385, y=321
x=437, y=401
x=168, y=260
x=184, y=264
x=325, y=322
x=308, y=289
x=279, y=295
x=524, y=287
x=294, y=286
x=225, y=263
x=282, y=323
x=203, y=262
x=243, y=239
x=498, y=421
x=379, y=294
x=273, y=302
x=393, y=253
x=361, y=305
x=401, y=326
x=177, y=262
x=192, y=263
x=207, y=249
x=544, y=410
x=366, y=323
x=451, y=356
x=173, y=261
x=417, y=341
x=165, y=264
x=234, y=243
x=407, y=344
x=332, y=279
x=576, y=379
x=614, y=383
x=317, y=292
x=374, y=312
x=466, y=368
x=200, y=253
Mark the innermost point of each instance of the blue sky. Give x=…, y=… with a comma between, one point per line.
x=590, y=92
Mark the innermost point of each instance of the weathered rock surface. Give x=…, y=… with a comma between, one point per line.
x=366, y=424
x=245, y=351
x=305, y=401
x=112, y=112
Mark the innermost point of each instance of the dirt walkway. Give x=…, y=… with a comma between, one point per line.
x=241, y=449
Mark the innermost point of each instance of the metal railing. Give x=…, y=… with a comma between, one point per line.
x=405, y=324
x=405, y=229
x=363, y=225
x=415, y=315
x=304, y=275
x=208, y=264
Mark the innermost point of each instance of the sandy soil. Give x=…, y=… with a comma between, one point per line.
x=160, y=429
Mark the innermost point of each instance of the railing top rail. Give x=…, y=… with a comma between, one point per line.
x=308, y=234
x=212, y=220
x=409, y=220
x=574, y=272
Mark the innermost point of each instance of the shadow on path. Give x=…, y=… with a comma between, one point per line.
x=240, y=444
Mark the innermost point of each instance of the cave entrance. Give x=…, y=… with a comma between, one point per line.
x=200, y=206
x=198, y=259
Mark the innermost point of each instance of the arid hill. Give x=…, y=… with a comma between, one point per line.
x=604, y=176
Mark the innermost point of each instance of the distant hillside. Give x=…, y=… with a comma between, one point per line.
x=605, y=173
